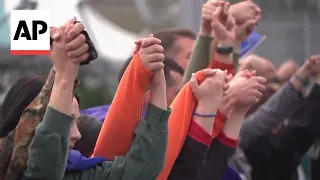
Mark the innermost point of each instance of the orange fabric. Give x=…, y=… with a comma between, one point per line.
x=179, y=122
x=223, y=66
x=121, y=115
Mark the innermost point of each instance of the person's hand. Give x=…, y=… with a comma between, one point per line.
x=301, y=77
x=223, y=25
x=242, y=31
x=211, y=91
x=245, y=10
x=65, y=60
x=246, y=89
x=310, y=68
x=73, y=38
x=286, y=70
x=76, y=42
x=151, y=53
x=206, y=16
x=314, y=64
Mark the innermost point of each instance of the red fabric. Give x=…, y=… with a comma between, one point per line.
x=227, y=141
x=197, y=133
x=179, y=123
x=218, y=123
x=223, y=66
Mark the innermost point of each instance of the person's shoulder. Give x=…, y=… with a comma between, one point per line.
x=97, y=172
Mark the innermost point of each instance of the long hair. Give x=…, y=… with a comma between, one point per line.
x=20, y=95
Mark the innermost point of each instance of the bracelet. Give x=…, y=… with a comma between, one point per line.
x=276, y=80
x=304, y=82
x=204, y=115
x=224, y=50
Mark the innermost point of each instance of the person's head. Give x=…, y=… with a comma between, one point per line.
x=74, y=131
x=173, y=74
x=20, y=95
x=177, y=43
x=262, y=66
x=286, y=70
x=174, y=79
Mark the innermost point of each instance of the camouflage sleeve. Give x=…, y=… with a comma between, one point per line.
x=25, y=129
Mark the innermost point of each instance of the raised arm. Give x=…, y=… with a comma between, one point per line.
x=24, y=132
x=243, y=92
x=50, y=146
x=145, y=158
x=277, y=108
x=131, y=90
x=201, y=57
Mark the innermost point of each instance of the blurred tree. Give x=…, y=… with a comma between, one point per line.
x=94, y=97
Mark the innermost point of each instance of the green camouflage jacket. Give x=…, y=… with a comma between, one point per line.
x=14, y=147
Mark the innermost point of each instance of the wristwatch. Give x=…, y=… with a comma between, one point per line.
x=224, y=50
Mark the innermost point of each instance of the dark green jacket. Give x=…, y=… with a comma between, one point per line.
x=145, y=160
x=200, y=57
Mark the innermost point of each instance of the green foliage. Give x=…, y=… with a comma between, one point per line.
x=94, y=97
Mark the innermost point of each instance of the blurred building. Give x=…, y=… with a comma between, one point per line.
x=292, y=29
x=291, y=26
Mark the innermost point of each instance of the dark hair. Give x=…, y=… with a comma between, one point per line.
x=168, y=37
x=169, y=65
x=20, y=95
x=89, y=128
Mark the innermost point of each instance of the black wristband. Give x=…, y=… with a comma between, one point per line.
x=276, y=80
x=224, y=50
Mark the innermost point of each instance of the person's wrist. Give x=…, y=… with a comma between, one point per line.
x=61, y=79
x=206, y=107
x=69, y=75
x=304, y=73
x=227, y=104
x=158, y=79
x=237, y=46
x=156, y=84
x=205, y=32
x=225, y=42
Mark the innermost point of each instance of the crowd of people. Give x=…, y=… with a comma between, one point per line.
x=187, y=107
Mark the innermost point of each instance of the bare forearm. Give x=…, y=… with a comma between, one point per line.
x=158, y=91
x=61, y=95
x=235, y=117
x=213, y=50
x=296, y=83
x=205, y=122
x=234, y=124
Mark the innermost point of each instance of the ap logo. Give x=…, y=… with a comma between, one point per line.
x=30, y=32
